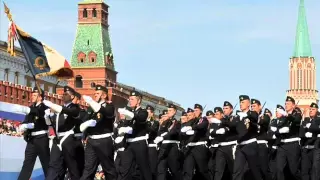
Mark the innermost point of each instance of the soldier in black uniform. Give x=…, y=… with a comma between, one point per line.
x=36, y=135
x=63, y=150
x=98, y=128
x=198, y=155
x=314, y=128
x=263, y=150
x=247, y=148
x=153, y=127
x=288, y=153
x=168, y=156
x=186, y=120
x=137, y=147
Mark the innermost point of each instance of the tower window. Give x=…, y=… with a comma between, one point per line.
x=88, y=42
x=81, y=60
x=78, y=81
x=92, y=57
x=94, y=12
x=85, y=13
x=81, y=57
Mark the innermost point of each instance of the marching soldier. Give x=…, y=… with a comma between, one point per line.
x=186, y=120
x=263, y=150
x=246, y=152
x=153, y=127
x=288, y=153
x=168, y=156
x=63, y=152
x=137, y=146
x=98, y=128
x=36, y=135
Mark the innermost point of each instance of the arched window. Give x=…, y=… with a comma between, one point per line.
x=94, y=12
x=92, y=57
x=85, y=13
x=81, y=57
x=78, y=81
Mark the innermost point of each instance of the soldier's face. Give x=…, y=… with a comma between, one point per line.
x=256, y=107
x=150, y=113
x=171, y=112
x=197, y=112
x=66, y=97
x=190, y=115
x=134, y=101
x=227, y=110
x=218, y=115
x=184, y=119
x=244, y=105
x=289, y=106
x=313, y=112
x=278, y=115
x=34, y=97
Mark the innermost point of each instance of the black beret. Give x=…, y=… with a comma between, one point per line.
x=314, y=105
x=164, y=112
x=209, y=113
x=227, y=103
x=190, y=110
x=101, y=88
x=267, y=111
x=172, y=106
x=289, y=98
x=184, y=113
x=280, y=107
x=135, y=93
x=255, y=101
x=244, y=97
x=218, y=109
x=78, y=95
x=198, y=106
x=149, y=107
x=37, y=90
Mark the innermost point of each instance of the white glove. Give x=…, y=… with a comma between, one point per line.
x=122, y=130
x=115, y=125
x=23, y=127
x=57, y=108
x=190, y=132
x=186, y=128
x=118, y=139
x=28, y=126
x=214, y=120
x=121, y=110
x=308, y=134
x=158, y=139
x=308, y=125
x=47, y=117
x=242, y=115
x=94, y=105
x=284, y=130
x=129, y=130
x=210, y=130
x=221, y=131
x=128, y=114
x=87, y=99
x=274, y=137
x=273, y=129
x=281, y=111
x=89, y=123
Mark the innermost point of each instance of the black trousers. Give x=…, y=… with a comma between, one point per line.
x=153, y=159
x=224, y=163
x=272, y=170
x=99, y=151
x=246, y=159
x=79, y=154
x=169, y=158
x=306, y=163
x=135, y=157
x=212, y=161
x=315, y=175
x=263, y=152
x=62, y=160
x=288, y=155
x=37, y=146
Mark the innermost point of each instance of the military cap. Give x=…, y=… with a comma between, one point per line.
x=244, y=97
x=164, y=112
x=255, y=101
x=68, y=88
x=314, y=105
x=280, y=107
x=101, y=88
x=78, y=95
x=289, y=98
x=37, y=90
x=227, y=103
x=190, y=110
x=209, y=113
x=135, y=93
x=267, y=111
x=184, y=113
x=198, y=106
x=172, y=106
x=218, y=109
x=149, y=107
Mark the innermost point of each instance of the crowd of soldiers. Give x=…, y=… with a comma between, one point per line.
x=250, y=144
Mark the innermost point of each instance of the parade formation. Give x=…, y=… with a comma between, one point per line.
x=131, y=143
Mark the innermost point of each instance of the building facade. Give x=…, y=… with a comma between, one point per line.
x=302, y=66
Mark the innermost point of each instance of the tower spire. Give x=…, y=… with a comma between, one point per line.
x=302, y=42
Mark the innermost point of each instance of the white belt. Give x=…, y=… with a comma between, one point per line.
x=197, y=143
x=65, y=136
x=274, y=147
x=163, y=134
x=214, y=145
x=78, y=135
x=152, y=145
x=36, y=133
x=140, y=138
x=121, y=149
x=308, y=147
x=248, y=141
x=290, y=140
x=262, y=142
x=100, y=136
x=170, y=142
x=228, y=143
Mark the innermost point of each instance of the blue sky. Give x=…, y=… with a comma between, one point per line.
x=187, y=51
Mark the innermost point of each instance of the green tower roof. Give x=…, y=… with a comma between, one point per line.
x=302, y=44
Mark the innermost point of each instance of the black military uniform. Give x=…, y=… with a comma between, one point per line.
x=246, y=152
x=153, y=127
x=137, y=147
x=184, y=138
x=63, y=153
x=99, y=148
x=37, y=139
x=273, y=145
x=288, y=153
x=198, y=156
x=168, y=156
x=263, y=150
